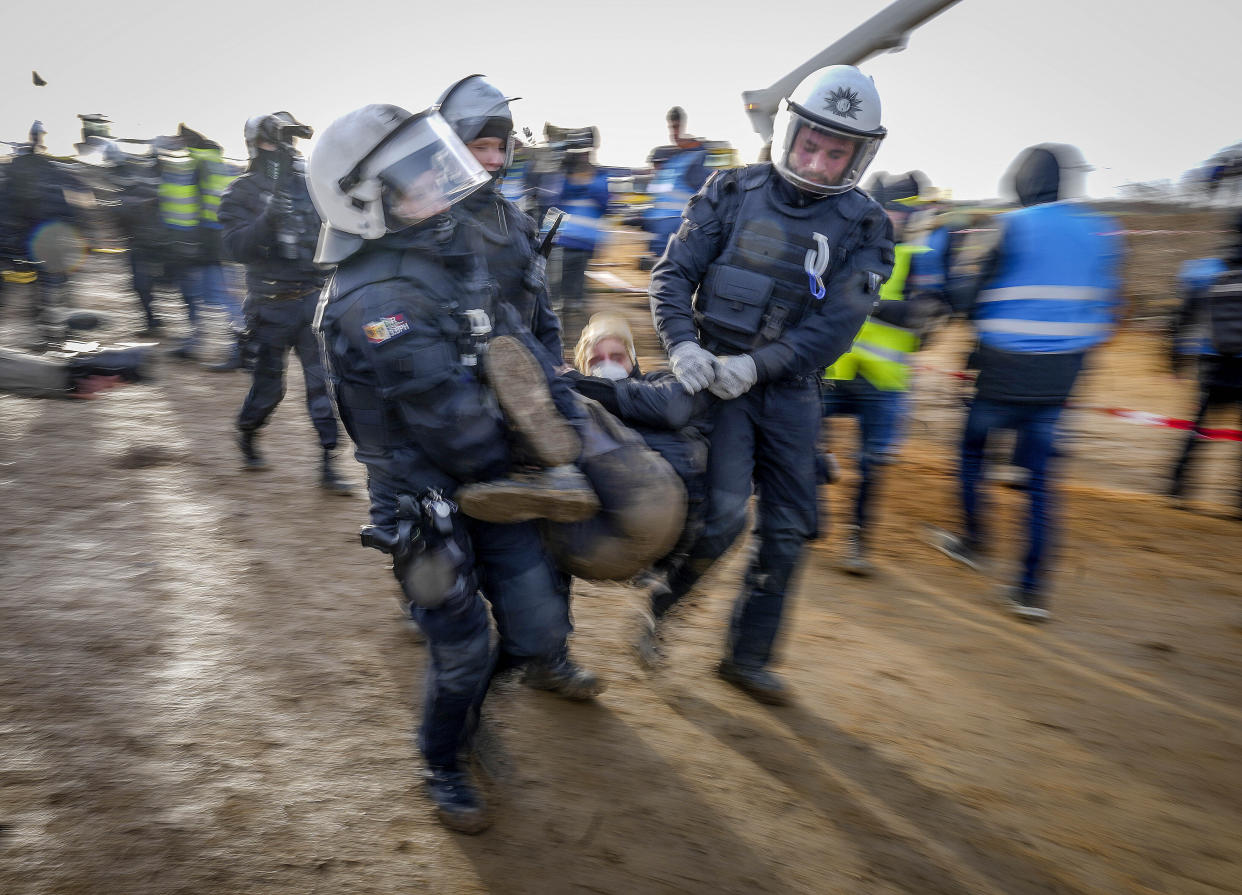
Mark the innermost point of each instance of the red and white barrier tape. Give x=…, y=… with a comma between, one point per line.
x=1141, y=417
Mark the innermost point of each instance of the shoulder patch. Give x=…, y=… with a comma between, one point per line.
x=380, y=331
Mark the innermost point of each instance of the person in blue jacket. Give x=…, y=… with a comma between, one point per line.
x=680, y=172
x=429, y=372
x=769, y=277
x=584, y=198
x=1044, y=298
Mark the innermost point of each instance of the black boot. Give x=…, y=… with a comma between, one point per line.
x=458, y=805
x=329, y=480
x=232, y=362
x=251, y=458
x=563, y=677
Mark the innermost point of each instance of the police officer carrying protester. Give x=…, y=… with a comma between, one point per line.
x=270, y=225
x=420, y=379
x=768, y=279
x=1044, y=297
x=479, y=114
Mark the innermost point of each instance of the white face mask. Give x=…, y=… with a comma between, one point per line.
x=609, y=369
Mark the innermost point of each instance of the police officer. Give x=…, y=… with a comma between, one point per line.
x=680, y=171
x=1045, y=296
x=785, y=258
x=1208, y=328
x=270, y=225
x=479, y=114
x=406, y=324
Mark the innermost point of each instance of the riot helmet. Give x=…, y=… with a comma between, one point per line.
x=380, y=169
x=277, y=128
x=475, y=108
x=828, y=131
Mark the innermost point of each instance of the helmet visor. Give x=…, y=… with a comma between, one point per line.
x=423, y=170
x=821, y=159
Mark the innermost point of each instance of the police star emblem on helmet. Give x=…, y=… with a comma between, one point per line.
x=843, y=102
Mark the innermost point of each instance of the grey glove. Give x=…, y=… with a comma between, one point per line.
x=735, y=374
x=694, y=367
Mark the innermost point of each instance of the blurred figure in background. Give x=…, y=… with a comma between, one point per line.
x=271, y=226
x=479, y=114
x=137, y=181
x=71, y=373
x=42, y=232
x=869, y=380
x=584, y=198
x=680, y=171
x=1208, y=330
x=1044, y=297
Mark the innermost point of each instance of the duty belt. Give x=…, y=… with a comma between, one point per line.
x=286, y=294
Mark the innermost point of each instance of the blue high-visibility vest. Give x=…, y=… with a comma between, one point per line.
x=1058, y=283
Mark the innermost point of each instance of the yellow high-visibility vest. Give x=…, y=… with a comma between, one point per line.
x=881, y=351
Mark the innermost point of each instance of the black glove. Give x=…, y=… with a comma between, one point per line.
x=278, y=208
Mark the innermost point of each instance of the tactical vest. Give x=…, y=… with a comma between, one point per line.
x=881, y=352
x=1057, y=284
x=1224, y=301
x=506, y=236
x=758, y=286
x=449, y=286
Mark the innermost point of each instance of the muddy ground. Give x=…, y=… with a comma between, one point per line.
x=205, y=688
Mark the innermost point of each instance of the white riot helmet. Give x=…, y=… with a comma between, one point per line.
x=474, y=107
x=380, y=169
x=834, y=111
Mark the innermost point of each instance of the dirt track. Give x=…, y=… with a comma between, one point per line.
x=204, y=687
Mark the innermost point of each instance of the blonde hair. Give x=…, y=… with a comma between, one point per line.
x=604, y=325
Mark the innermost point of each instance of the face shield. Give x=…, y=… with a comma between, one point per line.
x=818, y=158
x=421, y=169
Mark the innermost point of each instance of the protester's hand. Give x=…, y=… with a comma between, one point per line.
x=694, y=367
x=735, y=374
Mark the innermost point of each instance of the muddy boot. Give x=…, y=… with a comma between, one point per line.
x=560, y=495
x=855, y=562
x=563, y=677
x=328, y=478
x=521, y=388
x=251, y=458
x=649, y=644
x=458, y=805
x=759, y=683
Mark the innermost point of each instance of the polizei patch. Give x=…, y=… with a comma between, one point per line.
x=380, y=331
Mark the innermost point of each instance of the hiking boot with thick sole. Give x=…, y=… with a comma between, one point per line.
x=559, y=495
x=521, y=388
x=252, y=460
x=458, y=805
x=758, y=683
x=563, y=677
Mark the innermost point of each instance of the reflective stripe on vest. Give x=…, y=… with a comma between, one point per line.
x=1057, y=283
x=881, y=351
x=582, y=221
x=178, y=191
x=214, y=178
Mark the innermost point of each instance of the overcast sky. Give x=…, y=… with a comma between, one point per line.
x=1145, y=89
